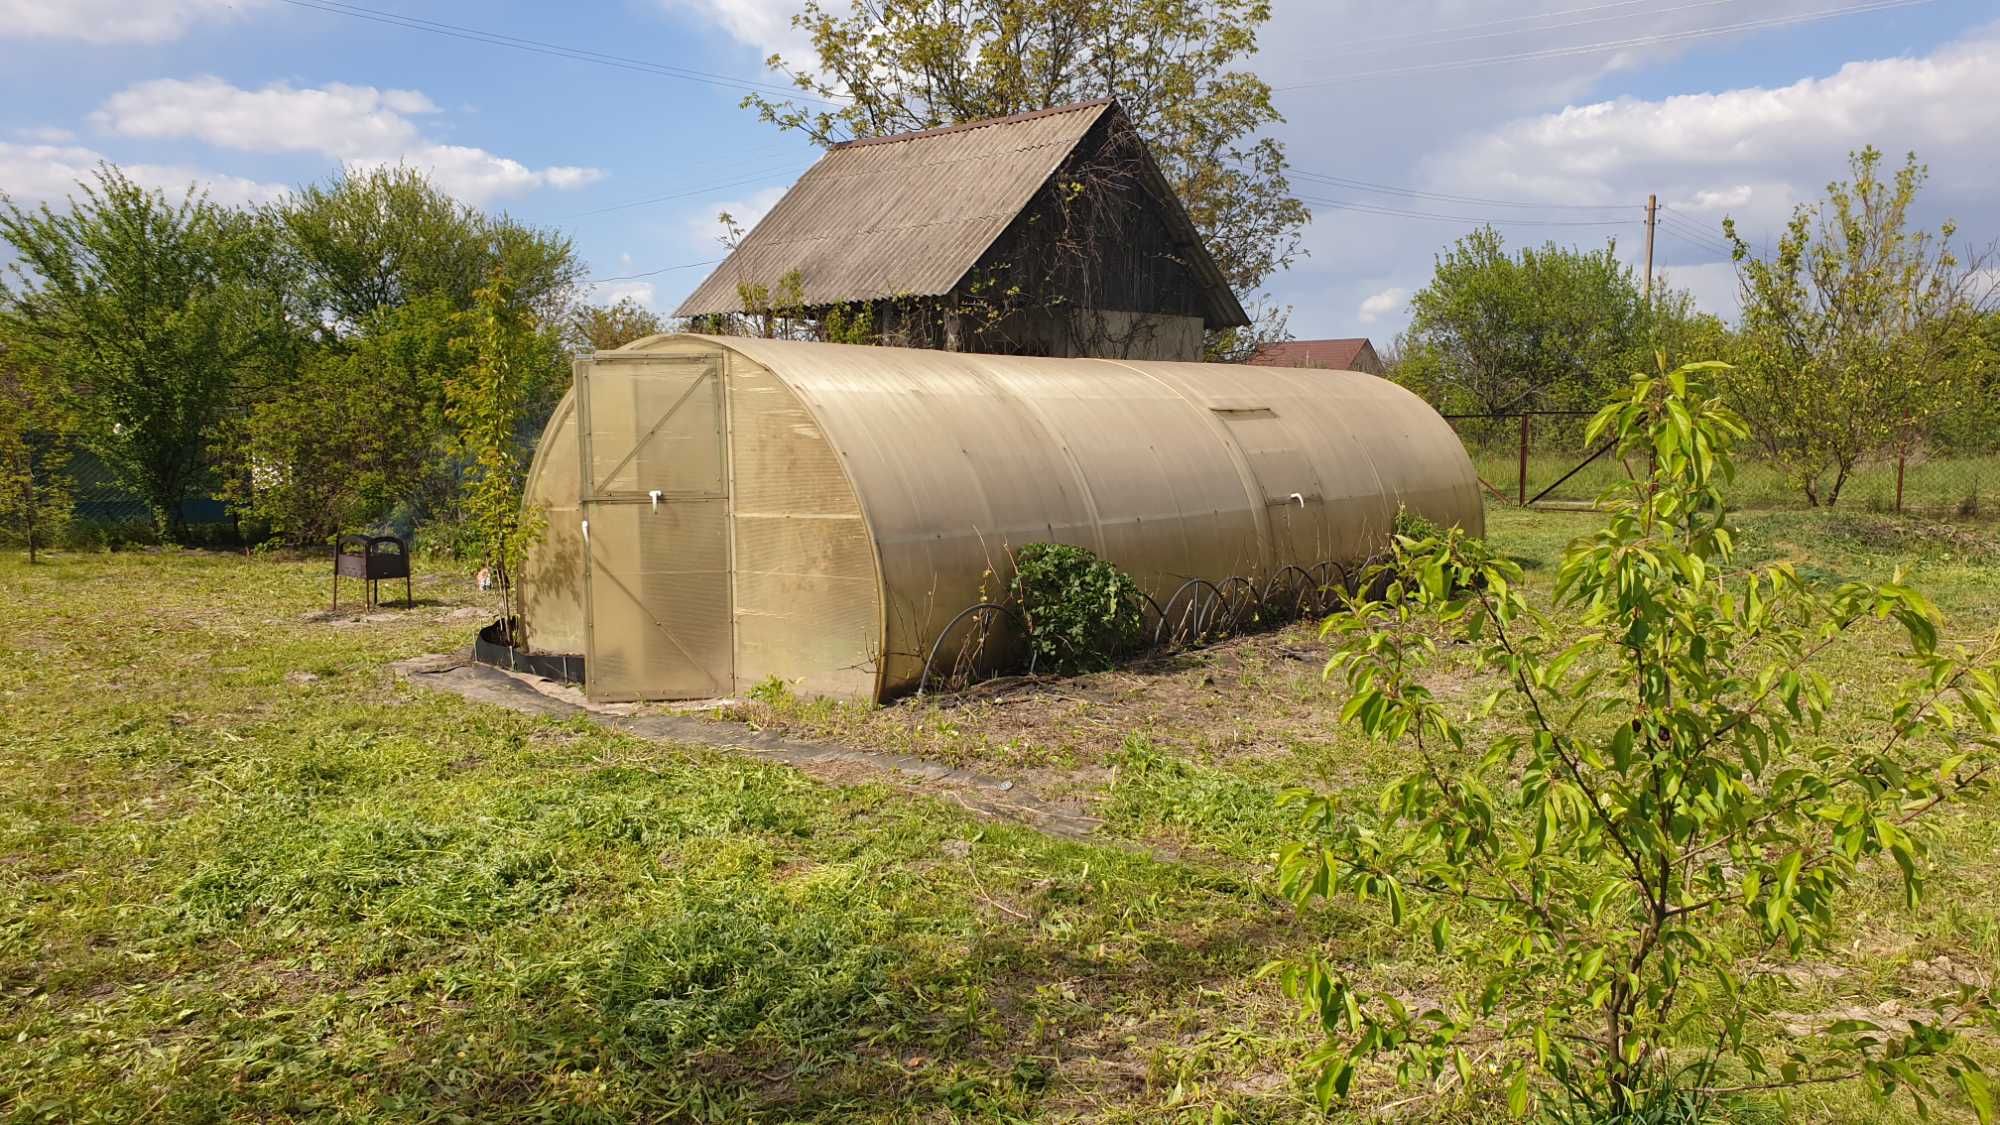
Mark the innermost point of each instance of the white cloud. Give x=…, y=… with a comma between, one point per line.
x=612, y=292
x=1549, y=133
x=338, y=119
x=362, y=126
x=705, y=232
x=113, y=21
x=51, y=172
x=46, y=134
x=475, y=175
x=1749, y=151
x=1378, y=305
x=763, y=24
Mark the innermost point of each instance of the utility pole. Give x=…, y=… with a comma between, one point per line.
x=1652, y=221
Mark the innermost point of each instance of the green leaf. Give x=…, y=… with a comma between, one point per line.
x=1621, y=747
x=1517, y=1094
x=1592, y=962
x=1978, y=1092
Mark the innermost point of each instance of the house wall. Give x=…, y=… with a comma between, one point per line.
x=1091, y=333
x=1090, y=268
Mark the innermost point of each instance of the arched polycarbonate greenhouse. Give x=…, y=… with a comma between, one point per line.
x=724, y=510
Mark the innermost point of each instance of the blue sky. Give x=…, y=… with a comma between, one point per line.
x=250, y=96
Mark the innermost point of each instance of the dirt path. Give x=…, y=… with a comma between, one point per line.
x=982, y=794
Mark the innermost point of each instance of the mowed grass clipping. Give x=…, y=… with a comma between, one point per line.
x=245, y=874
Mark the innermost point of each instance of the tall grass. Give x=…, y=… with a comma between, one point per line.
x=1964, y=487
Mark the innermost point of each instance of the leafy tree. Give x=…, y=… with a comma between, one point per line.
x=1665, y=814
x=518, y=370
x=378, y=239
x=385, y=268
x=35, y=432
x=150, y=311
x=1975, y=426
x=1858, y=334
x=897, y=65
x=605, y=327
x=358, y=429
x=1501, y=332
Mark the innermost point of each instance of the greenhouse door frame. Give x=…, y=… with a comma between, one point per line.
x=655, y=494
x=1294, y=498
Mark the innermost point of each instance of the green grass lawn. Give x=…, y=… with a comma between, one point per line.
x=1949, y=487
x=245, y=873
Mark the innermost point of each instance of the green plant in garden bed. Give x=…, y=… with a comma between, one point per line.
x=1410, y=525
x=1081, y=611
x=1663, y=809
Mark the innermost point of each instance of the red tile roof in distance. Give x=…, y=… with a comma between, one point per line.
x=1334, y=355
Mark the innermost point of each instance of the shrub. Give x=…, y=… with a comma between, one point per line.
x=1081, y=612
x=1410, y=525
x=1665, y=811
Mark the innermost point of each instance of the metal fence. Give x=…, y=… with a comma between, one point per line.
x=1539, y=459
x=102, y=500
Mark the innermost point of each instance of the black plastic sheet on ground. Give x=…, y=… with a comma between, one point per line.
x=491, y=647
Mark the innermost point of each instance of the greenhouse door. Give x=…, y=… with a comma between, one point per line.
x=655, y=528
x=1293, y=499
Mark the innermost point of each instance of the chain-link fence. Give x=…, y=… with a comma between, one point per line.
x=106, y=511
x=1539, y=459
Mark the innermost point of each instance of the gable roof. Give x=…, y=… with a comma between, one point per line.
x=909, y=215
x=1334, y=355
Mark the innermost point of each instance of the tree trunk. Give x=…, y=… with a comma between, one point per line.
x=1839, y=482
x=28, y=516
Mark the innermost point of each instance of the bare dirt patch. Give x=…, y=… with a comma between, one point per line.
x=1257, y=701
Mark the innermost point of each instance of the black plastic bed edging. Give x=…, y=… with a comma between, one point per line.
x=488, y=648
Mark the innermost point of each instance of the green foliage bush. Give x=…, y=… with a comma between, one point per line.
x=1081, y=612
x=358, y=429
x=1410, y=525
x=1665, y=808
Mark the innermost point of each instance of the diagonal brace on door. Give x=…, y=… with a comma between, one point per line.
x=658, y=624
x=612, y=473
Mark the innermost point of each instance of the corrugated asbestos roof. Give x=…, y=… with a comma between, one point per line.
x=908, y=215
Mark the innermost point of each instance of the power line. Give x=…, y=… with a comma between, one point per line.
x=1387, y=189
x=651, y=273
x=1609, y=45
x=1691, y=222
x=1403, y=213
x=1699, y=241
x=1690, y=232
x=750, y=179
x=556, y=50
x=1703, y=246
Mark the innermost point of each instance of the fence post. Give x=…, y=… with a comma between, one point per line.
x=1901, y=456
x=1524, y=460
